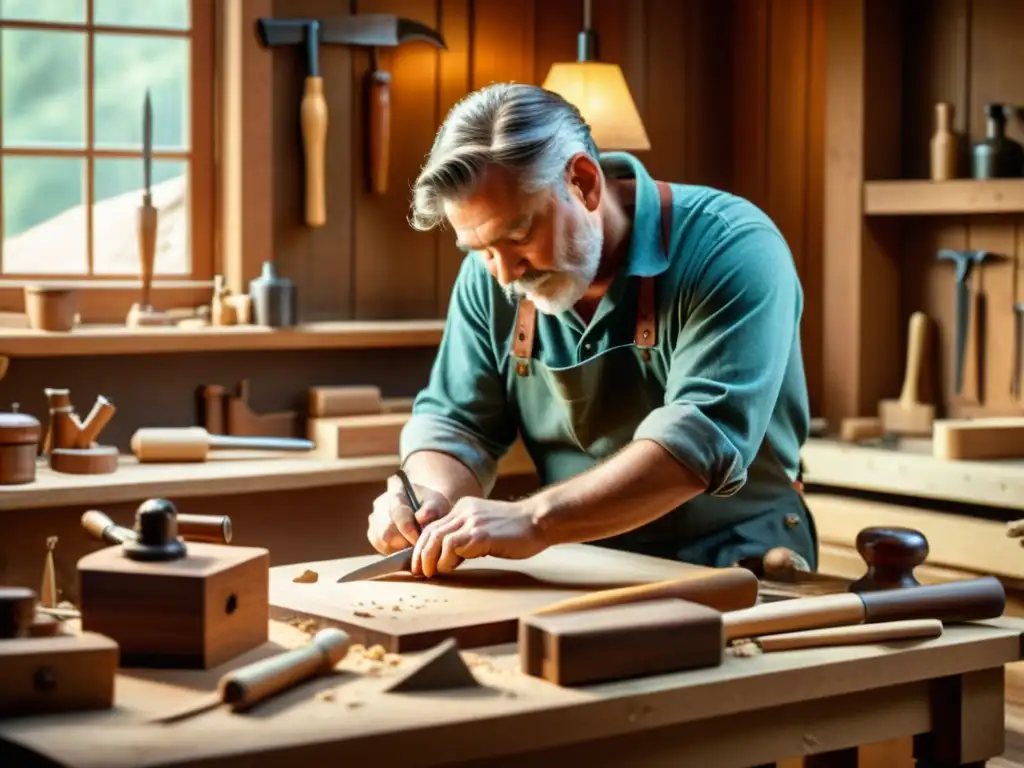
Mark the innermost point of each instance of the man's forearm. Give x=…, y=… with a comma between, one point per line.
x=446, y=475
x=639, y=484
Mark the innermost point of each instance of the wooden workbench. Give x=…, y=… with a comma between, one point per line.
x=747, y=712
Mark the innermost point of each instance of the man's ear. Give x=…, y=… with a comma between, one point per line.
x=585, y=180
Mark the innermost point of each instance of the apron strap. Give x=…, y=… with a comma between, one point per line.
x=646, y=320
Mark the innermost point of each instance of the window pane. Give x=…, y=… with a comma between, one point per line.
x=44, y=218
x=126, y=65
x=117, y=186
x=60, y=11
x=164, y=14
x=43, y=88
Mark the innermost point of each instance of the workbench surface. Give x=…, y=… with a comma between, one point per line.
x=784, y=704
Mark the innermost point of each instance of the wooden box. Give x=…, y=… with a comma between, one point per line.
x=192, y=613
x=347, y=437
x=50, y=675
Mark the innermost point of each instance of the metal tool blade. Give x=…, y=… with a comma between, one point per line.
x=393, y=563
x=147, y=146
x=369, y=29
x=257, y=443
x=1018, y=349
x=963, y=298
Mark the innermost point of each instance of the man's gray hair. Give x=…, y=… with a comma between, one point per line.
x=524, y=128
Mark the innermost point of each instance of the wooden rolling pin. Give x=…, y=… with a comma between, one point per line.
x=215, y=529
x=954, y=601
x=858, y=634
x=724, y=589
x=193, y=444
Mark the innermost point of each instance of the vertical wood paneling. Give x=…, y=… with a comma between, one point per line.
x=395, y=266
x=664, y=108
x=453, y=83
x=318, y=260
x=750, y=101
x=503, y=42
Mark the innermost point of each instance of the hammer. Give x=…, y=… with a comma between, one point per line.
x=369, y=30
x=965, y=261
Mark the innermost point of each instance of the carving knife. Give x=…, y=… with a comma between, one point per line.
x=396, y=562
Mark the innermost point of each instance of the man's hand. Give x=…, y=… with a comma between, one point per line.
x=393, y=526
x=476, y=528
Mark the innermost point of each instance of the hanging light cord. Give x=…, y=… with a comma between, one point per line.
x=586, y=40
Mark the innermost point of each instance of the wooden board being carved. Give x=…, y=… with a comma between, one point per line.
x=479, y=604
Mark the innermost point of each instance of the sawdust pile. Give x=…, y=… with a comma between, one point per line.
x=743, y=649
x=371, y=609
x=309, y=626
x=307, y=577
x=372, y=661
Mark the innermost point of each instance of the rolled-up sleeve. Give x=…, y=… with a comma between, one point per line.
x=729, y=361
x=463, y=412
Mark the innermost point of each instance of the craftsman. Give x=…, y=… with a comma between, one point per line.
x=658, y=386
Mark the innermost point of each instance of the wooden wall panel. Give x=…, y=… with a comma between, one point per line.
x=964, y=52
x=728, y=92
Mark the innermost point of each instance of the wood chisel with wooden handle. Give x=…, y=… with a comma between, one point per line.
x=193, y=444
x=244, y=687
x=212, y=529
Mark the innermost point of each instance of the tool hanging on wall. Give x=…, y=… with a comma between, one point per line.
x=1018, y=348
x=965, y=262
x=372, y=31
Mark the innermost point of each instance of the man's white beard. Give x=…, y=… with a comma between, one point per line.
x=556, y=291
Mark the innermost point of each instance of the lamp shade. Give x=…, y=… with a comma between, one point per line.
x=599, y=91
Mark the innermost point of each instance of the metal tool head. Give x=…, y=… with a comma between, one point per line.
x=964, y=260
x=147, y=148
x=393, y=563
x=383, y=30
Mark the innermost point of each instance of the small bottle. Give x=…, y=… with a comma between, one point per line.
x=273, y=299
x=996, y=157
x=943, y=144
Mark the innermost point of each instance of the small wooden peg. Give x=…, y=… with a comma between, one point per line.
x=48, y=592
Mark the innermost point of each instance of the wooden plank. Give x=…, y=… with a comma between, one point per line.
x=119, y=340
x=385, y=246
x=503, y=39
x=453, y=71
x=668, y=122
x=319, y=260
x=915, y=472
x=478, y=605
x=935, y=198
x=229, y=472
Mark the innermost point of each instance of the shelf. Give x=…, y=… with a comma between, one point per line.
x=913, y=471
x=229, y=472
x=961, y=196
x=119, y=340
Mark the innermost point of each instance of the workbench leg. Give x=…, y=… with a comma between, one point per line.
x=968, y=726
x=841, y=758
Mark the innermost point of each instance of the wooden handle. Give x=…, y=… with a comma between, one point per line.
x=148, y=217
x=917, y=338
x=791, y=615
x=378, y=130
x=246, y=686
x=725, y=589
x=214, y=529
x=152, y=444
x=313, y=118
x=100, y=415
x=102, y=528
x=954, y=601
x=858, y=634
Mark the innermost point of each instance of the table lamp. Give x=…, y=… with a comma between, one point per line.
x=599, y=91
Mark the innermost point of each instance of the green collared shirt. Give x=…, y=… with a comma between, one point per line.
x=728, y=304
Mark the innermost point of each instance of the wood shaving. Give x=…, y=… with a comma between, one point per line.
x=365, y=615
x=743, y=649
x=309, y=626
x=307, y=577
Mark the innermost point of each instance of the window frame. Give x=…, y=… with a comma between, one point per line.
x=107, y=297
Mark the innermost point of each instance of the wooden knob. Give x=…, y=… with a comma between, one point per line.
x=891, y=555
x=17, y=611
x=156, y=522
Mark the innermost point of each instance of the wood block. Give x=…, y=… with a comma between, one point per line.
x=195, y=612
x=986, y=438
x=329, y=402
x=859, y=428
x=50, y=675
x=621, y=642
x=98, y=460
x=347, y=437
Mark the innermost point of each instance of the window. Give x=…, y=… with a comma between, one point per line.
x=75, y=74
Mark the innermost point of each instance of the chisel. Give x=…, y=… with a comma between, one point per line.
x=193, y=444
